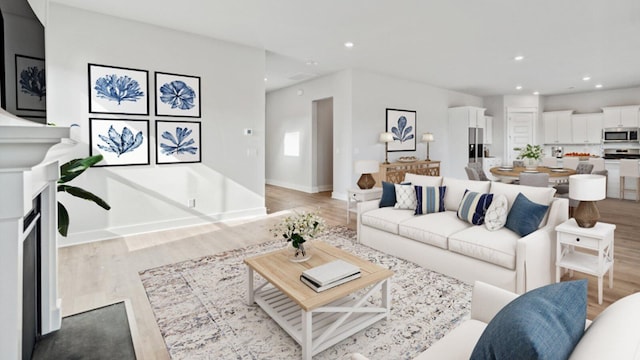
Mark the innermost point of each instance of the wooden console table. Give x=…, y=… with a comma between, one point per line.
x=395, y=171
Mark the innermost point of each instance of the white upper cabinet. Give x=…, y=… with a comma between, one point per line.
x=621, y=116
x=488, y=130
x=557, y=127
x=475, y=116
x=586, y=128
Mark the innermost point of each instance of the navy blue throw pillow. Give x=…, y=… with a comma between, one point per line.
x=525, y=216
x=388, y=198
x=544, y=323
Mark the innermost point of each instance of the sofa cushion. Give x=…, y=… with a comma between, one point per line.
x=473, y=207
x=405, y=197
x=540, y=195
x=386, y=219
x=544, y=323
x=614, y=334
x=458, y=344
x=496, y=215
x=456, y=189
x=432, y=229
x=496, y=247
x=525, y=216
x=423, y=180
x=429, y=199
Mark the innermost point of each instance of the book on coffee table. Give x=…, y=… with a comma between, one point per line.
x=319, y=288
x=330, y=272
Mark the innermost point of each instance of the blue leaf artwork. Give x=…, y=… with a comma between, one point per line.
x=120, y=143
x=180, y=144
x=178, y=95
x=33, y=82
x=118, y=88
x=402, y=132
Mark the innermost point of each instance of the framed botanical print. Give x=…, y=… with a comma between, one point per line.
x=177, y=95
x=402, y=124
x=120, y=142
x=178, y=142
x=118, y=90
x=31, y=86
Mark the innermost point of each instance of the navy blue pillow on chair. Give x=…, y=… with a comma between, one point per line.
x=544, y=323
x=525, y=216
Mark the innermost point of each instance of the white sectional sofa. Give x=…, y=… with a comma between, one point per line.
x=443, y=243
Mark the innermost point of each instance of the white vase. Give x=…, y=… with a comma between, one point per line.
x=530, y=163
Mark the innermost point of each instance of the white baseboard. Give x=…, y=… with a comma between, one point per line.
x=122, y=231
x=291, y=186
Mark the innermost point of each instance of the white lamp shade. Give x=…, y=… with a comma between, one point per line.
x=386, y=137
x=427, y=137
x=587, y=187
x=366, y=166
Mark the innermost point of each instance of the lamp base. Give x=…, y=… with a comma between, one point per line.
x=586, y=214
x=366, y=181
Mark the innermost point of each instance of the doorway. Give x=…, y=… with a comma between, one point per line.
x=520, y=130
x=322, y=147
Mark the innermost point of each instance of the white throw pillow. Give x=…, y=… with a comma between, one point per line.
x=496, y=215
x=405, y=197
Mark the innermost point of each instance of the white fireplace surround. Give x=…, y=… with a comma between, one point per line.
x=28, y=167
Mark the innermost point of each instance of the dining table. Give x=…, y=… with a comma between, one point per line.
x=508, y=174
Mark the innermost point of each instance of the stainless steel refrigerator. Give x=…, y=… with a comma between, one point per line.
x=476, y=146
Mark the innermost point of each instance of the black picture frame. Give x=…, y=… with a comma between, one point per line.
x=177, y=95
x=104, y=100
x=404, y=131
x=30, y=83
x=114, y=152
x=175, y=151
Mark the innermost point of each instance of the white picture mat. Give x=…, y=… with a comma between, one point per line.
x=138, y=156
x=102, y=105
x=25, y=101
x=170, y=126
x=163, y=109
x=392, y=120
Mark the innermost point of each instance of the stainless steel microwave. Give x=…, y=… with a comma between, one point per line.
x=616, y=135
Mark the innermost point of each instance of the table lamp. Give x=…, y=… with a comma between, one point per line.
x=587, y=189
x=427, y=138
x=386, y=138
x=366, y=168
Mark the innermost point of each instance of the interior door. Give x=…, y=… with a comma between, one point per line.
x=520, y=132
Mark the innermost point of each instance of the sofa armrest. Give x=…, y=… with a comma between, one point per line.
x=362, y=207
x=487, y=300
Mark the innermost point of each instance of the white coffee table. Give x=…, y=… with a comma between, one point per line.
x=317, y=321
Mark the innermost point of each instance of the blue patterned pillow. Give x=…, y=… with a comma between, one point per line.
x=544, y=323
x=473, y=207
x=429, y=199
x=525, y=216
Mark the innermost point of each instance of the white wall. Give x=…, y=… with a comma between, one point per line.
x=230, y=180
x=495, y=107
x=592, y=102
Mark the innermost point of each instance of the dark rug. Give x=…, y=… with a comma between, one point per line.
x=97, y=334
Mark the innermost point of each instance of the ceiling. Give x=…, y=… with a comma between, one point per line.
x=462, y=45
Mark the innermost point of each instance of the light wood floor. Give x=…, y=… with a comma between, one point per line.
x=96, y=274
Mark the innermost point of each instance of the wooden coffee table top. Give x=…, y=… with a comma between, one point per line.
x=276, y=268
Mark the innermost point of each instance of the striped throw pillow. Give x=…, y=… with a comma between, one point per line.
x=429, y=199
x=473, y=207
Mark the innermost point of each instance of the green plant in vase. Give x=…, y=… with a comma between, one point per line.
x=531, y=154
x=297, y=229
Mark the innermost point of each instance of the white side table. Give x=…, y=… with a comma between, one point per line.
x=598, y=257
x=356, y=195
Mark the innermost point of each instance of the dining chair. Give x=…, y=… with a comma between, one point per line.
x=629, y=169
x=472, y=174
x=570, y=162
x=477, y=166
x=549, y=162
x=540, y=179
x=518, y=163
x=598, y=163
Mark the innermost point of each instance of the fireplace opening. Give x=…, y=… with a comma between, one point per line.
x=31, y=284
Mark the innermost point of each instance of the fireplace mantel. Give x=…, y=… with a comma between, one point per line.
x=25, y=172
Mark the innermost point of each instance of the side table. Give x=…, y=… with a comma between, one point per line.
x=597, y=255
x=356, y=195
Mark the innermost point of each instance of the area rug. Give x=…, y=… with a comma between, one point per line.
x=201, y=310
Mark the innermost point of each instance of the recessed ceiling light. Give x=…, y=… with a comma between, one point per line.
x=311, y=62
x=586, y=78
x=265, y=79
x=518, y=58
x=536, y=93
x=348, y=44
x=518, y=87
x=598, y=86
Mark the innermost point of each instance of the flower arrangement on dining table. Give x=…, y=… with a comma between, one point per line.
x=299, y=228
x=530, y=152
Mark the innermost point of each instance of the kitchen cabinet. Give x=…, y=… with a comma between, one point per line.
x=586, y=128
x=557, y=127
x=457, y=146
x=488, y=130
x=621, y=116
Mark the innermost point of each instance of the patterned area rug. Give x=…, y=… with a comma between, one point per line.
x=201, y=311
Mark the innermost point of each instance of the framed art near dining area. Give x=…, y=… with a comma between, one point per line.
x=178, y=142
x=177, y=95
x=118, y=90
x=31, y=86
x=402, y=124
x=120, y=142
